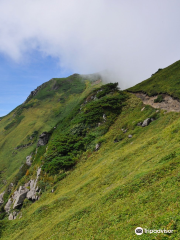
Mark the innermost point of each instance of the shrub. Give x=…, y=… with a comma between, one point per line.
x=158, y=99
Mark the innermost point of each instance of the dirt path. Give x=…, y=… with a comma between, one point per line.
x=169, y=104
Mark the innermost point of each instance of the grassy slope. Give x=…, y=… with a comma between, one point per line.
x=131, y=183
x=165, y=81
x=42, y=116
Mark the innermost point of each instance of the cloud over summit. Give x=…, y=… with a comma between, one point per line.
x=132, y=39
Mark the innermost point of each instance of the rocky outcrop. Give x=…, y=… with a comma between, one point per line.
x=129, y=136
x=28, y=160
x=1, y=198
x=7, y=207
x=33, y=93
x=20, y=196
x=169, y=103
x=146, y=122
x=30, y=191
x=11, y=217
x=43, y=139
x=14, y=215
x=33, y=194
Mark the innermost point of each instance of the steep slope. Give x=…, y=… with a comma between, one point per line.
x=43, y=109
x=131, y=180
x=165, y=80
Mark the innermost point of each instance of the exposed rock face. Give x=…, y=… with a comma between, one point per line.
x=14, y=215
x=33, y=93
x=23, y=192
x=1, y=198
x=139, y=124
x=28, y=160
x=33, y=189
x=33, y=193
x=8, y=205
x=129, y=136
x=169, y=104
x=20, y=196
x=43, y=139
x=146, y=122
x=11, y=217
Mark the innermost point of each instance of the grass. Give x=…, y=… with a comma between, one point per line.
x=166, y=80
x=38, y=114
x=110, y=192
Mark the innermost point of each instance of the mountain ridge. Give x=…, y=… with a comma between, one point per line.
x=111, y=164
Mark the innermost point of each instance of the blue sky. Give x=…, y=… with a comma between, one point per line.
x=17, y=80
x=42, y=39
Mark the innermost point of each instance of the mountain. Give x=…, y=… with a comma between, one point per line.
x=165, y=80
x=100, y=162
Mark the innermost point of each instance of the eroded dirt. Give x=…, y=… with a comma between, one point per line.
x=169, y=104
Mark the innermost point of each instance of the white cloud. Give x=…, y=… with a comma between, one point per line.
x=130, y=38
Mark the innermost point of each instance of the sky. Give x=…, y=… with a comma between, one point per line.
x=42, y=39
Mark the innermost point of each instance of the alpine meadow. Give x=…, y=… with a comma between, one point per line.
x=83, y=159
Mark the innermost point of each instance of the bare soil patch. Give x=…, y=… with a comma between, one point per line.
x=169, y=104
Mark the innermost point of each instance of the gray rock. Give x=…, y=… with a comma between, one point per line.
x=38, y=172
x=32, y=184
x=15, y=195
x=43, y=139
x=20, y=196
x=97, y=146
x=15, y=215
x=11, y=217
x=32, y=194
x=146, y=122
x=7, y=207
x=27, y=184
x=129, y=136
x=139, y=123
x=1, y=198
x=28, y=160
x=104, y=117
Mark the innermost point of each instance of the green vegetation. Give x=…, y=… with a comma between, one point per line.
x=19, y=130
x=166, y=80
x=81, y=128
x=158, y=99
x=103, y=194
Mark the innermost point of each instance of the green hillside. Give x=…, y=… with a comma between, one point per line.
x=102, y=174
x=20, y=129
x=165, y=80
